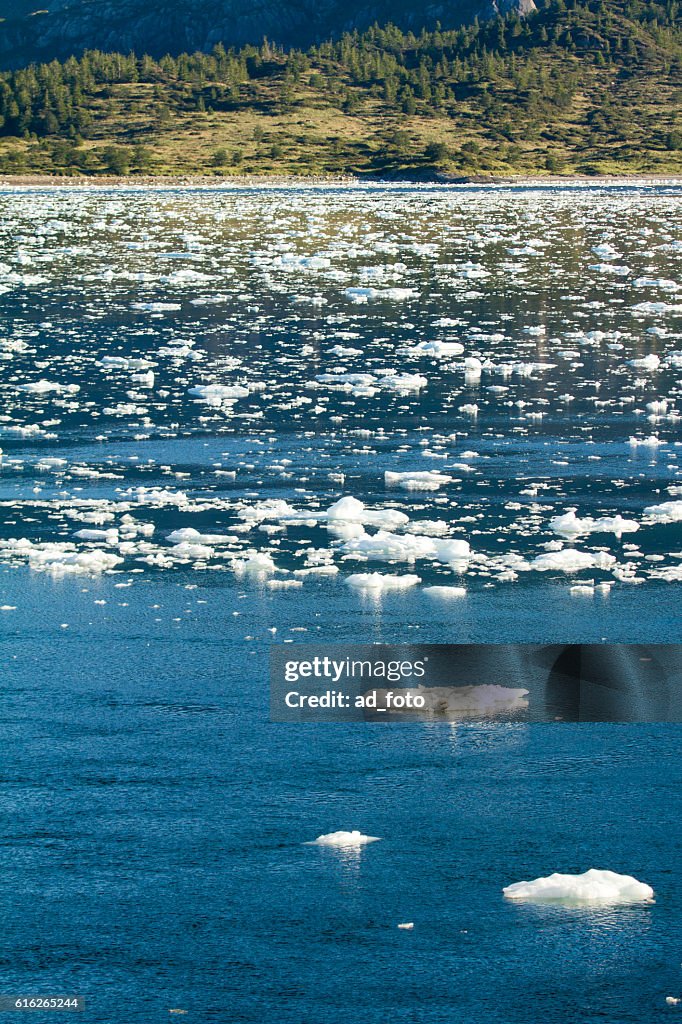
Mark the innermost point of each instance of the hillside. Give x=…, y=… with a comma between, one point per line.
x=34, y=30
x=588, y=86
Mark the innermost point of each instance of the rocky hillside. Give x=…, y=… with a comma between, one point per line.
x=41, y=30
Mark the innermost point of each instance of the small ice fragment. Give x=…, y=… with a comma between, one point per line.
x=353, y=838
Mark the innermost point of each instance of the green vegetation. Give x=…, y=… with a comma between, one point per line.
x=586, y=86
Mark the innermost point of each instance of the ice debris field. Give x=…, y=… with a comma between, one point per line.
x=376, y=388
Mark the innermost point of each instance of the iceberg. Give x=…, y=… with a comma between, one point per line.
x=594, y=886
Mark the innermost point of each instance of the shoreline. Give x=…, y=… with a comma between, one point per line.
x=288, y=180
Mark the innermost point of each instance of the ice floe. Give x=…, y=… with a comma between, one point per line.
x=593, y=886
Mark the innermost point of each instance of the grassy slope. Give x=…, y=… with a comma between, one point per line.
x=620, y=118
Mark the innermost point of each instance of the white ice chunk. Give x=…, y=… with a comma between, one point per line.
x=378, y=582
x=43, y=387
x=446, y=593
x=218, y=394
x=455, y=701
x=667, y=512
x=423, y=480
x=353, y=838
x=592, y=886
x=350, y=510
x=569, y=525
x=570, y=560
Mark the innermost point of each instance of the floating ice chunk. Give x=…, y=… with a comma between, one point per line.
x=569, y=525
x=455, y=701
x=16, y=547
x=569, y=560
x=615, y=524
x=344, y=350
x=447, y=593
x=219, y=394
x=592, y=886
x=187, y=551
x=653, y=441
x=113, y=362
x=43, y=387
x=353, y=838
x=402, y=382
x=292, y=261
x=157, y=496
x=650, y=362
x=350, y=510
x=437, y=349
x=429, y=528
x=317, y=570
x=408, y=548
x=59, y=560
x=145, y=380
x=667, y=512
x=656, y=308
x=423, y=480
x=106, y=536
x=156, y=307
x=360, y=295
x=606, y=251
x=258, y=563
x=50, y=464
x=367, y=384
x=124, y=409
x=656, y=282
x=185, y=276
x=610, y=268
x=189, y=535
x=378, y=582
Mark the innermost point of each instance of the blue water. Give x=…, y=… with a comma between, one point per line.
x=153, y=824
x=153, y=821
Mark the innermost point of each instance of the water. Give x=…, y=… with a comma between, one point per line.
x=153, y=821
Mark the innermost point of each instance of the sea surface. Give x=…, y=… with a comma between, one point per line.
x=190, y=380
